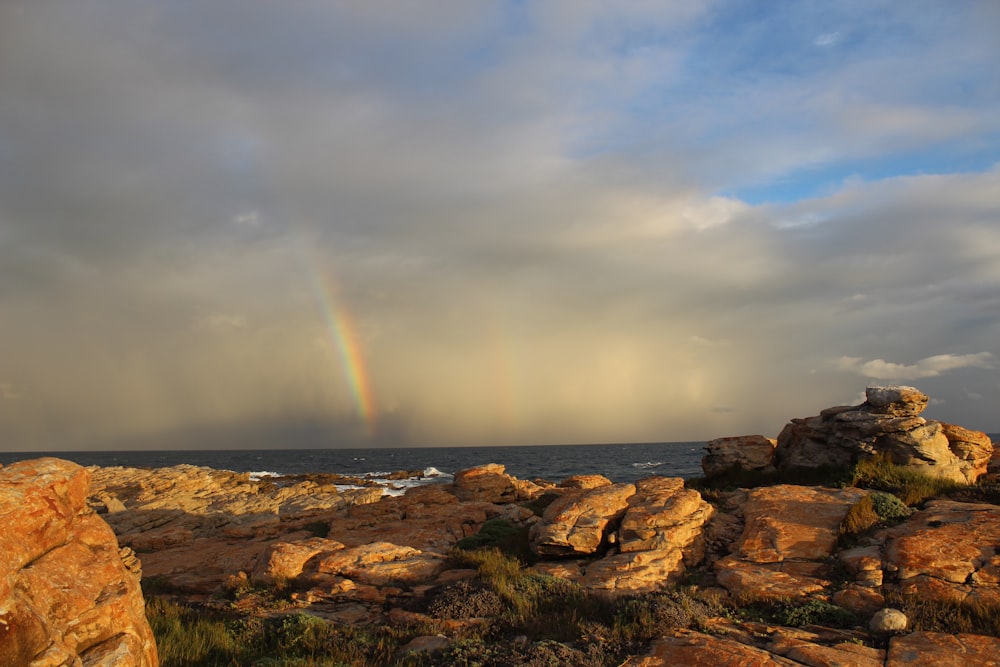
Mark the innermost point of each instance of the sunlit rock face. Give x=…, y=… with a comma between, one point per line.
x=790, y=533
x=574, y=525
x=66, y=596
x=888, y=423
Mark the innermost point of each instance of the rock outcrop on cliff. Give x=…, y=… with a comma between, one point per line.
x=887, y=423
x=66, y=597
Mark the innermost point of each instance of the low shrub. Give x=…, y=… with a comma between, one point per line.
x=539, y=504
x=818, y=612
x=466, y=599
x=912, y=487
x=738, y=478
x=860, y=518
x=877, y=509
x=188, y=637
x=948, y=617
x=503, y=535
x=796, y=613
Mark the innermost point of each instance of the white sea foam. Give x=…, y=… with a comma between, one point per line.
x=645, y=465
x=261, y=474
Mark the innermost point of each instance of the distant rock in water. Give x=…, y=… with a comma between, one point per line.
x=67, y=596
x=888, y=423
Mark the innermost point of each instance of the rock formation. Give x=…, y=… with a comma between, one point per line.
x=790, y=533
x=66, y=597
x=348, y=554
x=742, y=452
x=888, y=423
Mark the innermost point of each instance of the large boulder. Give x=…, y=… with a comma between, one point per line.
x=790, y=532
x=788, y=522
x=487, y=483
x=696, y=649
x=742, y=452
x=948, y=551
x=941, y=650
x=66, y=597
x=575, y=524
x=888, y=424
x=664, y=515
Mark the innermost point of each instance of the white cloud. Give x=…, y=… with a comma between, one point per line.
x=827, y=39
x=248, y=219
x=879, y=369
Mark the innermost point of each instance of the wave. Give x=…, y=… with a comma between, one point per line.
x=262, y=474
x=647, y=465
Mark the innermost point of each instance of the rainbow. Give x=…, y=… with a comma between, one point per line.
x=342, y=335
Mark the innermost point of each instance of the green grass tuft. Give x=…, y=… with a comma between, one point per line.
x=911, y=486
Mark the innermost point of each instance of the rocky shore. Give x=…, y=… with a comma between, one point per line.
x=747, y=540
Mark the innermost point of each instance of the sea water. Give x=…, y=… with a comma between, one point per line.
x=618, y=462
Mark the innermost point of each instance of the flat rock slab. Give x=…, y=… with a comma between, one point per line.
x=921, y=649
x=794, y=522
x=695, y=649
x=952, y=541
x=766, y=581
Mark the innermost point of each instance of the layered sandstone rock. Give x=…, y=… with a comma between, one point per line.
x=66, y=597
x=790, y=532
x=743, y=452
x=933, y=648
x=178, y=504
x=696, y=649
x=950, y=551
x=664, y=515
x=660, y=533
x=575, y=523
x=887, y=423
x=783, y=647
x=487, y=483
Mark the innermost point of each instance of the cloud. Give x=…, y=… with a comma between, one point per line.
x=545, y=222
x=925, y=368
x=827, y=39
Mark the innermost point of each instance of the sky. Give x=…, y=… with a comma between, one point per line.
x=323, y=223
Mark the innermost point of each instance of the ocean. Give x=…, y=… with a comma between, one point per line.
x=619, y=463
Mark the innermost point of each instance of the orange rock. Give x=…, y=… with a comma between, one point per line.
x=285, y=560
x=76, y=602
x=794, y=522
x=584, y=482
x=695, y=649
x=947, y=540
x=941, y=650
x=487, y=483
x=382, y=562
x=575, y=523
x=973, y=447
x=765, y=581
x=818, y=655
x=636, y=572
x=664, y=515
